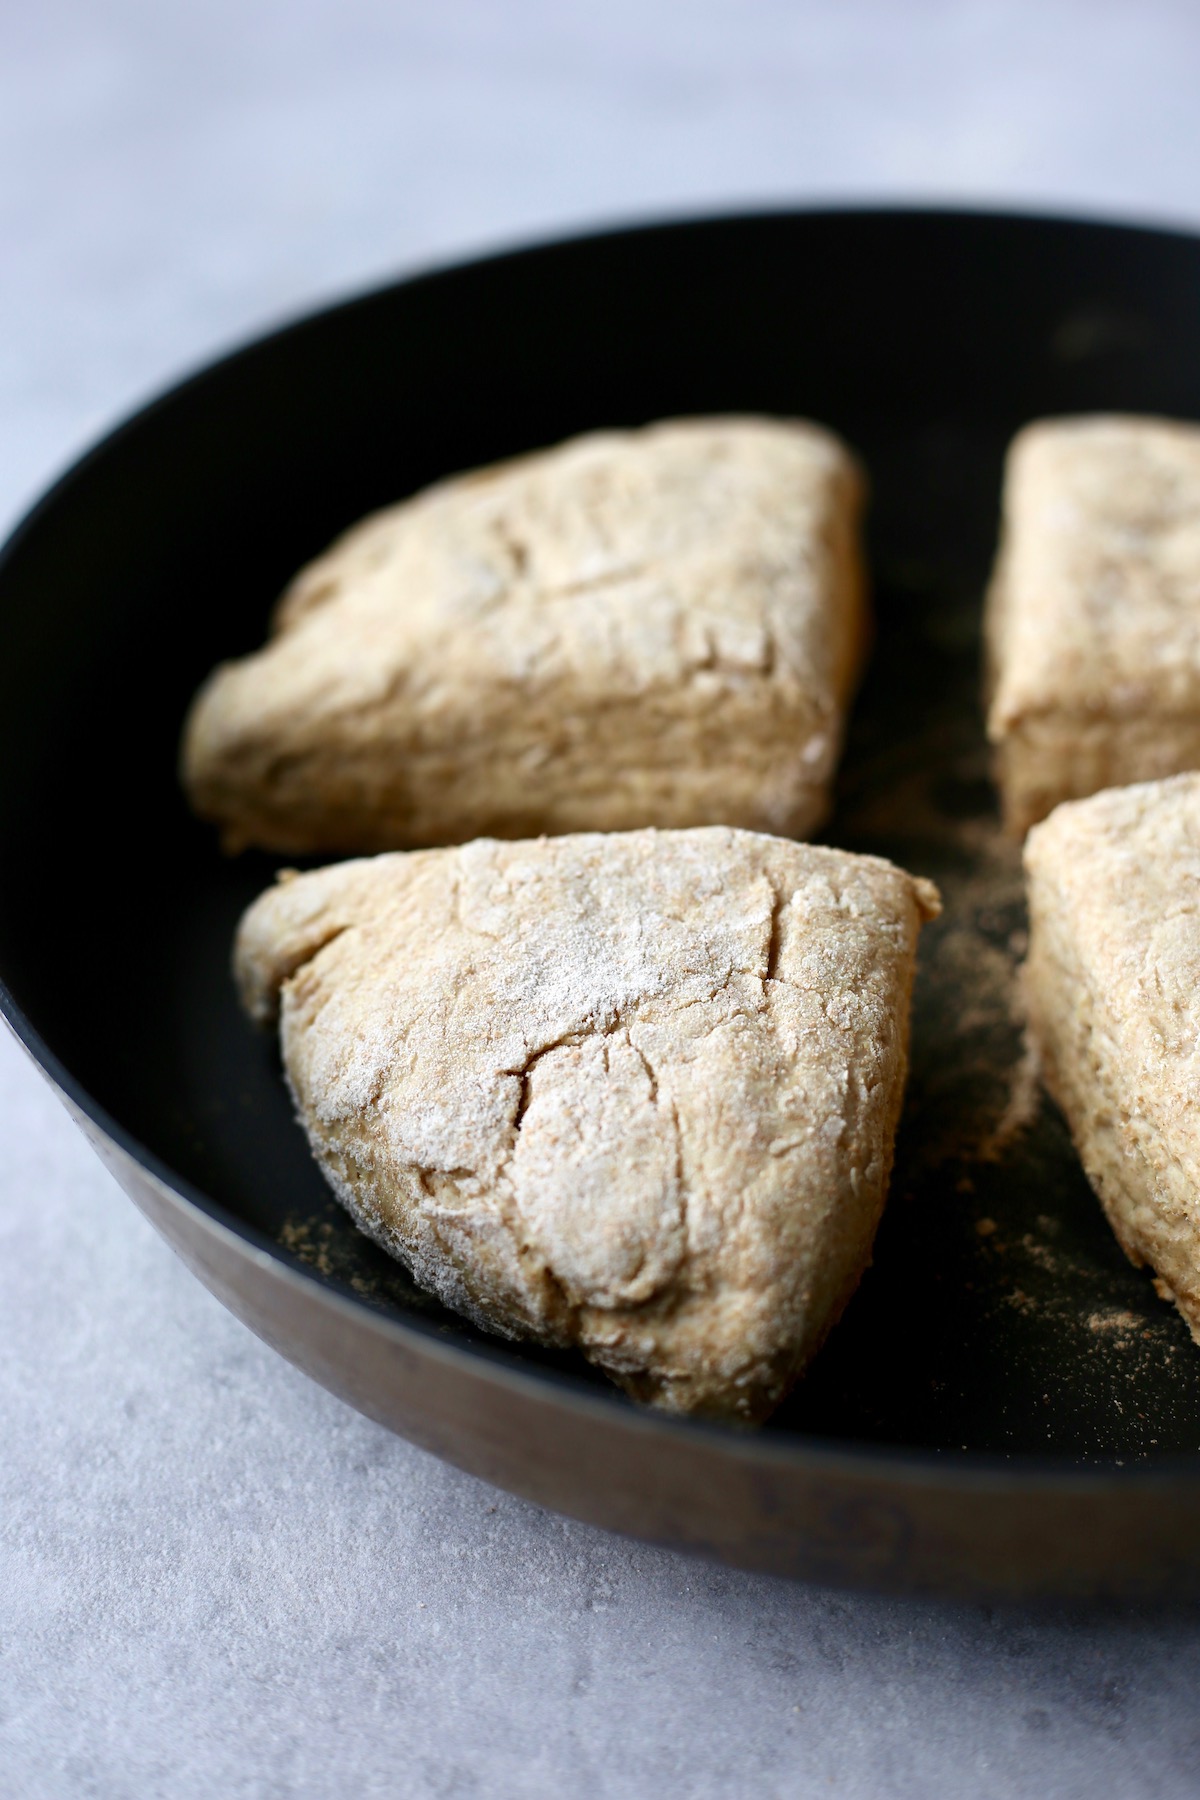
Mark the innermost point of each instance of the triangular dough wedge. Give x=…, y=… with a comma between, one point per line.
x=633, y=1093
x=658, y=627
x=1113, y=987
x=1093, y=613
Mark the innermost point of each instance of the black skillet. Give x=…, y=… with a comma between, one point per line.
x=1007, y=1408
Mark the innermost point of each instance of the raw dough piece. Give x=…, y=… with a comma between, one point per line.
x=1114, y=998
x=660, y=627
x=1094, y=613
x=634, y=1093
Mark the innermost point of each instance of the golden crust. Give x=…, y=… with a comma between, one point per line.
x=659, y=627
x=1113, y=987
x=1093, y=617
x=633, y=1093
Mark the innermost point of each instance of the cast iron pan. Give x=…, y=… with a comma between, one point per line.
x=1007, y=1407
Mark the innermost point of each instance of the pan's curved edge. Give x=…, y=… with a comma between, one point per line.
x=835, y=1515
x=682, y=221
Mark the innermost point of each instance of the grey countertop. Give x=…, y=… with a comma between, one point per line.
x=214, y=1578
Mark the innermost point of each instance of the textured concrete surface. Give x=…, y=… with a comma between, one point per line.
x=215, y=1579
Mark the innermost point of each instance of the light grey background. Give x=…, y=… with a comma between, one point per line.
x=214, y=1578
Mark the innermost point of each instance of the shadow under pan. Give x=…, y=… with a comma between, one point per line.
x=1007, y=1407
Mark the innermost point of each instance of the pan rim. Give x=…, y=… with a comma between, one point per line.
x=1025, y=1472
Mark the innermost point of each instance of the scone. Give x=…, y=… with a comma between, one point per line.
x=1113, y=983
x=1093, y=619
x=657, y=627
x=632, y=1093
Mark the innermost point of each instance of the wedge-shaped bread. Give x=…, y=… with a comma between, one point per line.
x=635, y=1093
x=1094, y=612
x=1114, y=998
x=659, y=627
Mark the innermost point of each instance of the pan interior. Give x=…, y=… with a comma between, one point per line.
x=999, y=1314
